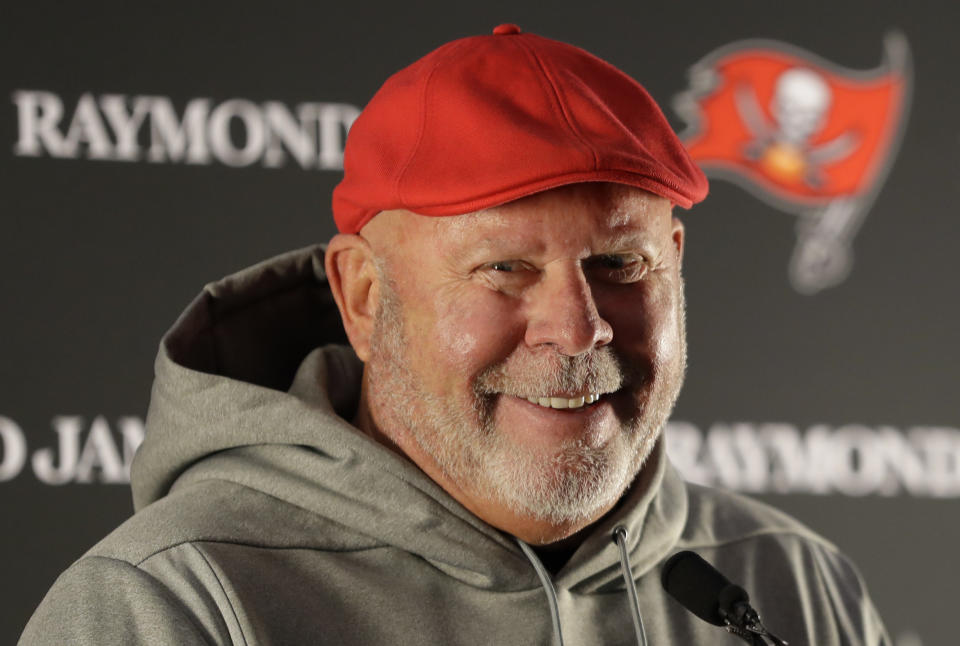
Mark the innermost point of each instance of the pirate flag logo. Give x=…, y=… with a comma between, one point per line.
x=805, y=135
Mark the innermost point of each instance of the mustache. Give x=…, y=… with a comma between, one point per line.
x=527, y=374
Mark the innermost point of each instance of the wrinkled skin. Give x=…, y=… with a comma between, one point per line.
x=459, y=320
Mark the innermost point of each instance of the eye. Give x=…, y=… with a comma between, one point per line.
x=616, y=267
x=507, y=267
x=508, y=276
x=612, y=261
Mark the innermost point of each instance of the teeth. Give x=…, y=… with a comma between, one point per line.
x=563, y=402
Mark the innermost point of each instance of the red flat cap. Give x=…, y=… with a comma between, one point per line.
x=486, y=120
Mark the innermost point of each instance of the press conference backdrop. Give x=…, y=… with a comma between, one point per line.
x=148, y=151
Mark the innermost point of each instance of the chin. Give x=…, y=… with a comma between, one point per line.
x=570, y=485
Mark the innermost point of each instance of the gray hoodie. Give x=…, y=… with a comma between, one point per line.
x=264, y=517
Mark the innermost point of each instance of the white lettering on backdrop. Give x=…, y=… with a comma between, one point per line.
x=236, y=132
x=851, y=460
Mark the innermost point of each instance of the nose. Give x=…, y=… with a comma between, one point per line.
x=561, y=312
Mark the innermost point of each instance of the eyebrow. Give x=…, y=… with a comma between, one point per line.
x=622, y=239
x=506, y=245
x=619, y=241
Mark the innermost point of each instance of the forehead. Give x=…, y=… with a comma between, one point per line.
x=594, y=209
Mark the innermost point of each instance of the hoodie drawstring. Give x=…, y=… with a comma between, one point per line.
x=620, y=538
x=548, y=586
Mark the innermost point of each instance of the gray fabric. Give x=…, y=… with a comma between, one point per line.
x=263, y=517
x=548, y=588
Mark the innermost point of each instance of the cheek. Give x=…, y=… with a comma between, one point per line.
x=456, y=337
x=629, y=314
x=644, y=322
x=471, y=332
x=667, y=345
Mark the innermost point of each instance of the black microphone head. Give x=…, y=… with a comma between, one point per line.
x=695, y=584
x=730, y=596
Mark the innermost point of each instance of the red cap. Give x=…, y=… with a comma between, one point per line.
x=486, y=120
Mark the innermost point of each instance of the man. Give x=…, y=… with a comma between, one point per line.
x=493, y=472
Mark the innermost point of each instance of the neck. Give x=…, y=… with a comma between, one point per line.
x=555, y=555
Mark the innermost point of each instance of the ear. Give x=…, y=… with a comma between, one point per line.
x=677, y=233
x=355, y=285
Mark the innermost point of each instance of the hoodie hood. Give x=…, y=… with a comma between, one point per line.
x=255, y=384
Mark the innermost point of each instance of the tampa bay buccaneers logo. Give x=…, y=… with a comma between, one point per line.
x=804, y=135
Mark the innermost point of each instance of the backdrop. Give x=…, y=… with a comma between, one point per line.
x=146, y=152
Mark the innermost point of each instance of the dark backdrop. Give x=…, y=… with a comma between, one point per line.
x=99, y=256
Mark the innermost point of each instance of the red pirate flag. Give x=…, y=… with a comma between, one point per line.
x=803, y=134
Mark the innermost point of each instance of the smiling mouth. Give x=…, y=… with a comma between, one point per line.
x=564, y=402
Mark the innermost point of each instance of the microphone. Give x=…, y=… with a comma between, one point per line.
x=703, y=590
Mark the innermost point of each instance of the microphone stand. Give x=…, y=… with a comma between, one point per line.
x=744, y=622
